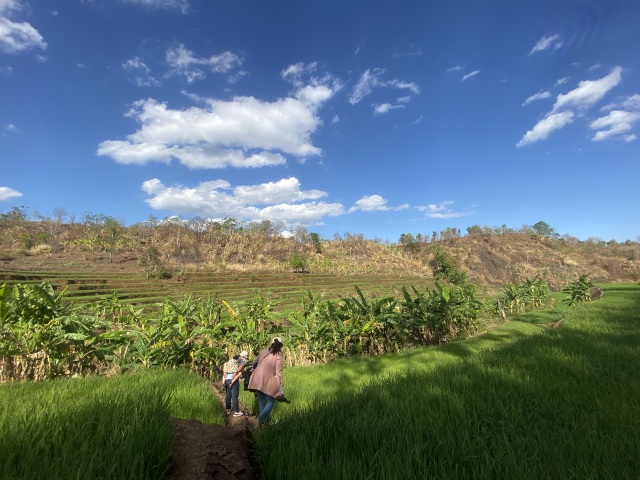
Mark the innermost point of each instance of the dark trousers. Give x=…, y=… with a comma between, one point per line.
x=231, y=395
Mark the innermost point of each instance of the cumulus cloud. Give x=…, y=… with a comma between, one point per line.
x=281, y=201
x=545, y=43
x=375, y=203
x=242, y=132
x=371, y=79
x=370, y=203
x=184, y=62
x=441, y=210
x=572, y=104
x=17, y=37
x=6, y=193
x=537, y=96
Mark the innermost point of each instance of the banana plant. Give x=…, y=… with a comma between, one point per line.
x=578, y=291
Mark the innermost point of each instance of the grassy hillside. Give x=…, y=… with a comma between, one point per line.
x=490, y=257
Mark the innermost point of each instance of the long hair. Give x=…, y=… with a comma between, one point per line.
x=276, y=347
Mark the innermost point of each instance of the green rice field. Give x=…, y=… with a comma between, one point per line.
x=548, y=394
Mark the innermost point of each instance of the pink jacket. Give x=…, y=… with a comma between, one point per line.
x=267, y=376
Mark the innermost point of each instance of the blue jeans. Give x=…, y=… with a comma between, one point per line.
x=265, y=405
x=231, y=395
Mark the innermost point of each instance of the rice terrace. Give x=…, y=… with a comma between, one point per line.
x=501, y=353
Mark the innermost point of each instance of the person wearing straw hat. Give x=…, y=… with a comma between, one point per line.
x=266, y=379
x=232, y=372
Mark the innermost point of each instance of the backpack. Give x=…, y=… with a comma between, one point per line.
x=247, y=376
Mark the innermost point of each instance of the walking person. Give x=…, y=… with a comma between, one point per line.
x=266, y=379
x=232, y=372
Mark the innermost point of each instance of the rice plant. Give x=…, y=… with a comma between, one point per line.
x=523, y=401
x=97, y=427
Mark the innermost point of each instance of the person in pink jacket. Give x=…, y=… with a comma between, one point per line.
x=266, y=379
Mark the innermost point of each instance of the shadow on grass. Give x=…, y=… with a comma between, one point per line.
x=564, y=403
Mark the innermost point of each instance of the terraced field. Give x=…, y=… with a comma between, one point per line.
x=284, y=291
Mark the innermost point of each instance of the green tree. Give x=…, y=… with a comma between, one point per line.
x=409, y=242
x=444, y=267
x=474, y=230
x=150, y=261
x=315, y=240
x=543, y=229
x=14, y=216
x=298, y=263
x=111, y=235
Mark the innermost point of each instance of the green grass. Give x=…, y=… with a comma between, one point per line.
x=524, y=401
x=97, y=427
x=521, y=401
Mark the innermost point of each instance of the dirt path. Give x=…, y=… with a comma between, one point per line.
x=207, y=451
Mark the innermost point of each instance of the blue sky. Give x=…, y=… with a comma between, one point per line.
x=365, y=117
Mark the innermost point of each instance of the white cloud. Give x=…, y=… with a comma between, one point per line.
x=183, y=5
x=442, y=210
x=375, y=203
x=285, y=190
x=572, y=104
x=184, y=62
x=561, y=81
x=546, y=43
x=294, y=73
x=310, y=89
x=589, y=92
x=470, y=75
x=10, y=127
x=370, y=79
x=17, y=37
x=615, y=124
x=6, y=193
x=367, y=81
x=537, y=96
x=400, y=84
x=385, y=108
x=544, y=127
x=632, y=102
x=457, y=68
x=276, y=201
x=370, y=203
x=241, y=132
x=139, y=73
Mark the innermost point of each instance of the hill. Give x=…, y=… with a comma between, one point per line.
x=489, y=257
